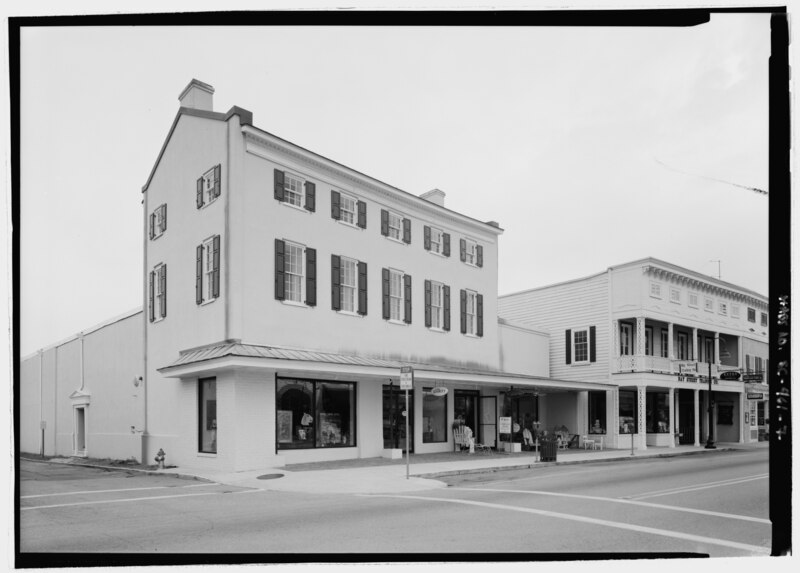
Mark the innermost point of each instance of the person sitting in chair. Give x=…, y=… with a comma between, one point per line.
x=469, y=439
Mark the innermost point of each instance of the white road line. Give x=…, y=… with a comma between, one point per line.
x=112, y=490
x=626, y=501
x=118, y=500
x=697, y=487
x=619, y=525
x=581, y=472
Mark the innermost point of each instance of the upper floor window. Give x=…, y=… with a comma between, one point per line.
x=735, y=310
x=158, y=293
x=723, y=308
x=763, y=319
x=293, y=190
x=625, y=339
x=395, y=226
x=437, y=305
x=471, y=252
x=683, y=346
x=158, y=221
x=655, y=290
x=207, y=271
x=664, y=343
x=580, y=344
x=751, y=314
x=471, y=313
x=396, y=295
x=348, y=209
x=437, y=241
x=709, y=304
x=674, y=295
x=349, y=285
x=295, y=273
x=693, y=299
x=209, y=186
x=648, y=340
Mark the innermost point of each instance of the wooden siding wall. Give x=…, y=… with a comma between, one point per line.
x=577, y=304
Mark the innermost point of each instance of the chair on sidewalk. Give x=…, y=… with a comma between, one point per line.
x=459, y=439
x=587, y=441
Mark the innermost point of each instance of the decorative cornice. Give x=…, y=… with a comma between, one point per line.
x=701, y=285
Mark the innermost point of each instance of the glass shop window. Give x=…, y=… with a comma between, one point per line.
x=434, y=417
x=657, y=412
x=627, y=412
x=207, y=400
x=597, y=412
x=312, y=414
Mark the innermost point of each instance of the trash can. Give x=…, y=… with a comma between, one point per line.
x=549, y=450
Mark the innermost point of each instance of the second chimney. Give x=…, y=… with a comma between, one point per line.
x=435, y=196
x=198, y=95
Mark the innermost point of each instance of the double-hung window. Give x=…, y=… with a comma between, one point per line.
x=751, y=314
x=291, y=189
x=664, y=343
x=625, y=339
x=471, y=253
x=763, y=319
x=683, y=346
x=580, y=345
x=396, y=296
x=348, y=209
x=655, y=290
x=675, y=295
x=735, y=311
x=158, y=221
x=158, y=293
x=209, y=186
x=709, y=304
x=395, y=226
x=648, y=340
x=723, y=308
x=471, y=313
x=437, y=305
x=207, y=270
x=295, y=273
x=437, y=241
x=349, y=285
x=693, y=300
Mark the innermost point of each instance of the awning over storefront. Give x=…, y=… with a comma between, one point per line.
x=234, y=354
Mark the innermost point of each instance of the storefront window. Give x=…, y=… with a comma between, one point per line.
x=597, y=412
x=434, y=417
x=394, y=423
x=207, y=400
x=313, y=414
x=628, y=420
x=658, y=412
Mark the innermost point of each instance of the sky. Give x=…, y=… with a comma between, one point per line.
x=591, y=147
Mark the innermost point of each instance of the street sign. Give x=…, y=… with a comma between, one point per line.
x=753, y=377
x=729, y=375
x=755, y=395
x=439, y=391
x=406, y=378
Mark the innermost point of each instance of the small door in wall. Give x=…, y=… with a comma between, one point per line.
x=79, y=431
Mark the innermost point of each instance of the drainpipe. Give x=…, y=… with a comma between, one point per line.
x=41, y=400
x=82, y=371
x=145, y=325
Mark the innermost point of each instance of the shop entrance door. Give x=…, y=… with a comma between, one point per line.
x=487, y=432
x=465, y=408
x=394, y=423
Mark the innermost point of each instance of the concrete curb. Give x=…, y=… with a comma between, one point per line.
x=117, y=468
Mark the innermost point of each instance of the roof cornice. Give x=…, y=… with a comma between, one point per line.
x=705, y=284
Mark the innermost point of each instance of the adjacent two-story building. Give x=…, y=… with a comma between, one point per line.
x=655, y=331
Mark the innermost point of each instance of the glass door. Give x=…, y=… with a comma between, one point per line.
x=487, y=434
x=465, y=409
x=394, y=423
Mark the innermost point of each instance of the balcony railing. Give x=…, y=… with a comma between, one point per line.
x=660, y=365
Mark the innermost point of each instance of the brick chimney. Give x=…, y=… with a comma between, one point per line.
x=435, y=196
x=198, y=95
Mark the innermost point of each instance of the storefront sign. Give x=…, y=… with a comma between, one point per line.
x=406, y=378
x=729, y=375
x=688, y=368
x=755, y=395
x=439, y=391
x=504, y=424
x=753, y=377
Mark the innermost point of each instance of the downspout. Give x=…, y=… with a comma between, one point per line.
x=226, y=249
x=41, y=400
x=145, y=314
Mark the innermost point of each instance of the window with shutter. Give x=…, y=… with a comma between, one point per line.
x=472, y=313
x=406, y=231
x=311, y=196
x=335, y=205
x=158, y=293
x=407, y=294
x=435, y=241
x=397, y=296
x=362, y=288
x=209, y=186
x=348, y=294
x=207, y=270
x=348, y=209
x=336, y=282
x=435, y=305
x=446, y=244
x=311, y=277
x=362, y=214
x=158, y=221
x=293, y=272
x=280, y=280
x=291, y=189
x=471, y=253
x=446, y=308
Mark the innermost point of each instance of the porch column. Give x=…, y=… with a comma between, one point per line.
x=640, y=335
x=641, y=394
x=672, y=414
x=615, y=338
x=741, y=417
x=716, y=349
x=695, y=355
x=612, y=419
x=670, y=341
x=697, y=417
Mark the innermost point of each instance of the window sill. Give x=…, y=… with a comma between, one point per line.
x=349, y=313
x=161, y=234
x=295, y=304
x=471, y=335
x=208, y=301
x=352, y=225
x=295, y=207
x=398, y=241
x=397, y=322
x=207, y=203
x=439, y=330
x=206, y=455
x=438, y=254
x=581, y=363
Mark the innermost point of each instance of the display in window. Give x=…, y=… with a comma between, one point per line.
x=284, y=426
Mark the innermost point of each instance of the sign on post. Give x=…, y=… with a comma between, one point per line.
x=504, y=424
x=406, y=378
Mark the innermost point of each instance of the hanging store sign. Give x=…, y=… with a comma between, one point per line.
x=729, y=375
x=753, y=377
x=406, y=378
x=755, y=395
x=688, y=367
x=438, y=391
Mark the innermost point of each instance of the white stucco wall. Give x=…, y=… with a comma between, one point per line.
x=523, y=351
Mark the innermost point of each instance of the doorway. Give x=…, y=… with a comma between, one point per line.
x=487, y=429
x=465, y=408
x=394, y=423
x=80, y=431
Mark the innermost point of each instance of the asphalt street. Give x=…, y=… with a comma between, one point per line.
x=709, y=505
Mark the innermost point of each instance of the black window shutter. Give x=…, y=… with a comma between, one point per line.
x=336, y=210
x=152, y=224
x=280, y=281
x=406, y=230
x=568, y=346
x=311, y=276
x=362, y=214
x=164, y=218
x=426, y=238
x=384, y=222
x=407, y=296
x=163, y=279
x=311, y=196
x=428, y=320
x=446, y=244
x=153, y=296
x=279, y=186
x=362, y=288
x=446, y=307
x=385, y=289
x=198, y=281
x=463, y=311
x=199, y=192
x=592, y=353
x=479, y=250
x=336, y=282
x=463, y=250
x=215, y=285
x=217, y=178
x=480, y=313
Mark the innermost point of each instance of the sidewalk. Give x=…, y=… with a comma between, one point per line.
x=376, y=475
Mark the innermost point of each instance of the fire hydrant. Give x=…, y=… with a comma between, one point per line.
x=160, y=457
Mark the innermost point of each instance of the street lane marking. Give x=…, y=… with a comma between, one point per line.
x=627, y=501
x=113, y=490
x=696, y=487
x=118, y=500
x=582, y=472
x=603, y=522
